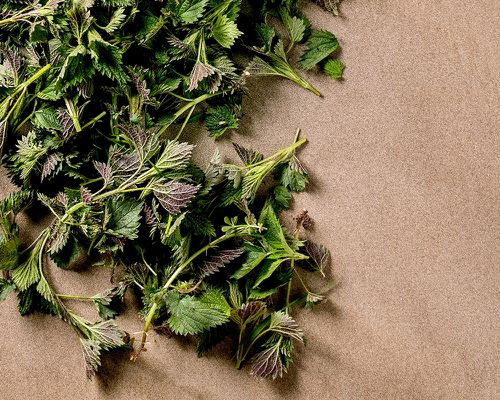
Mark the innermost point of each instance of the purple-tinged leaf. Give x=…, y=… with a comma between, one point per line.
x=199, y=72
x=86, y=195
x=66, y=122
x=267, y=363
x=217, y=260
x=50, y=165
x=249, y=312
x=248, y=156
x=319, y=256
x=174, y=195
x=105, y=171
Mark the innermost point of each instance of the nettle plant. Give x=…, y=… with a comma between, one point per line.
x=95, y=96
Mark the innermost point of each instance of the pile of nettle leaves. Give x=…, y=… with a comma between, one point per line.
x=94, y=98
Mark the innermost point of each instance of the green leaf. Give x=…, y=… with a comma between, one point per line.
x=282, y=196
x=214, y=298
x=254, y=256
x=190, y=315
x=116, y=20
x=107, y=58
x=319, y=46
x=124, y=217
x=334, y=68
x=265, y=35
x=9, y=252
x=28, y=272
x=266, y=270
x=192, y=10
x=225, y=31
x=70, y=252
x=295, y=26
x=6, y=287
x=219, y=119
x=274, y=235
x=47, y=118
x=294, y=176
x=285, y=325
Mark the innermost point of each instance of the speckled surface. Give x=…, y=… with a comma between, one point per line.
x=404, y=159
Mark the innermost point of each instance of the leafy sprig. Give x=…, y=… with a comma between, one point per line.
x=94, y=99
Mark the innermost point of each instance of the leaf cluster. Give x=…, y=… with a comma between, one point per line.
x=95, y=96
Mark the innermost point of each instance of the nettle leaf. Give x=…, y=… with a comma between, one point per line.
x=319, y=256
x=92, y=356
x=77, y=67
x=225, y=31
x=285, y=325
x=174, y=195
x=9, y=252
x=50, y=165
x=254, y=256
x=192, y=10
x=175, y=155
x=248, y=313
x=70, y=252
x=190, y=315
x=219, y=119
x=334, y=68
x=107, y=334
x=266, y=270
x=105, y=171
x=282, y=197
x=124, y=217
x=268, y=364
x=264, y=34
x=319, y=46
x=199, y=73
x=218, y=260
x=330, y=5
x=103, y=335
x=28, y=272
x=107, y=58
x=274, y=234
x=214, y=298
x=6, y=287
x=47, y=118
x=59, y=237
x=294, y=25
x=248, y=156
x=116, y=20
x=275, y=359
x=108, y=302
x=294, y=176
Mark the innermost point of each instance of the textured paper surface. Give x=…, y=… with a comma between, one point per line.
x=404, y=159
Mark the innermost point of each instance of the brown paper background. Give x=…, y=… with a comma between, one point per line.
x=404, y=160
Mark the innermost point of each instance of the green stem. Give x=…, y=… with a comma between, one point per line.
x=240, y=348
x=73, y=114
x=94, y=120
x=292, y=266
x=186, y=107
x=76, y=297
x=295, y=77
x=280, y=153
x=185, y=123
x=251, y=345
x=169, y=282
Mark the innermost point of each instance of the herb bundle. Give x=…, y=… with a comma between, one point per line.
x=95, y=96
